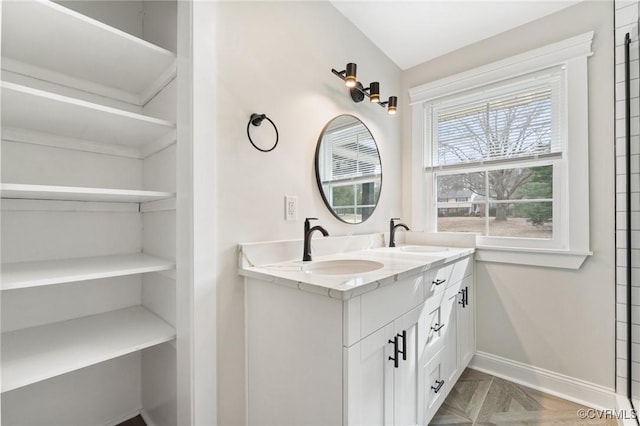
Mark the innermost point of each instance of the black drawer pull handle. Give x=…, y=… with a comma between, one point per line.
x=465, y=297
x=438, y=282
x=395, y=352
x=404, y=344
x=438, y=386
x=437, y=327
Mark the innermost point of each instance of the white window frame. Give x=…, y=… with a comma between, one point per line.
x=573, y=245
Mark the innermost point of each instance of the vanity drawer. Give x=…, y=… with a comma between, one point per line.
x=431, y=327
x=451, y=273
x=434, y=387
x=385, y=304
x=433, y=287
x=436, y=323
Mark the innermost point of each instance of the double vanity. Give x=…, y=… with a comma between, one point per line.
x=361, y=335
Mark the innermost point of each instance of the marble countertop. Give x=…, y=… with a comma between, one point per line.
x=398, y=263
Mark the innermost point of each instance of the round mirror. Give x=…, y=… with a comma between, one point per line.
x=348, y=169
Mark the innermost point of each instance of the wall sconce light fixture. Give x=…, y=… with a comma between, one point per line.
x=358, y=91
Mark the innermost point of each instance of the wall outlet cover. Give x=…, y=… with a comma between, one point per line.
x=290, y=208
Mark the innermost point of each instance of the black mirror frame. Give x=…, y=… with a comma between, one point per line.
x=319, y=180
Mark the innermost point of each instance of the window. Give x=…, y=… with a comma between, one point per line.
x=501, y=151
x=498, y=147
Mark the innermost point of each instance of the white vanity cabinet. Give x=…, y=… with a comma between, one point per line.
x=377, y=358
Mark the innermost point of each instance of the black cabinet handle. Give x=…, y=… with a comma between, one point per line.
x=438, y=386
x=404, y=344
x=465, y=297
x=437, y=327
x=395, y=352
x=438, y=282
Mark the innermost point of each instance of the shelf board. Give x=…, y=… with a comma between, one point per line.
x=82, y=52
x=75, y=193
x=39, y=273
x=40, y=111
x=38, y=353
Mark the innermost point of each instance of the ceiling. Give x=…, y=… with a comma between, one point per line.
x=413, y=32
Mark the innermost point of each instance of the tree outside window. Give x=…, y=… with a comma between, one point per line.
x=503, y=144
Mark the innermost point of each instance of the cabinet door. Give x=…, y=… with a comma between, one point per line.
x=405, y=377
x=450, y=321
x=466, y=341
x=369, y=379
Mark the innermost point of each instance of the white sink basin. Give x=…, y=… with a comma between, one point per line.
x=341, y=267
x=423, y=249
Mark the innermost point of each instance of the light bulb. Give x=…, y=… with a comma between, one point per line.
x=350, y=75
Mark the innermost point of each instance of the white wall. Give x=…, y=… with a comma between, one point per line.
x=160, y=25
x=151, y=20
x=125, y=15
x=103, y=394
x=196, y=214
x=558, y=320
x=276, y=58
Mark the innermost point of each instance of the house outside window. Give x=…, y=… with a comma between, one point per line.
x=498, y=147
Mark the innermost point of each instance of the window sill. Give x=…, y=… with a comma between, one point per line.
x=564, y=259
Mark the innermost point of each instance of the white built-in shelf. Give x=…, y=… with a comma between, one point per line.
x=47, y=272
x=78, y=193
x=47, y=41
x=38, y=353
x=45, y=112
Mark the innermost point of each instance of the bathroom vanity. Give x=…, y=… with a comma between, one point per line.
x=374, y=336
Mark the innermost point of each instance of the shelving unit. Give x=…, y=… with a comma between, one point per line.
x=39, y=353
x=70, y=193
x=94, y=175
x=77, y=52
x=33, y=274
x=36, y=110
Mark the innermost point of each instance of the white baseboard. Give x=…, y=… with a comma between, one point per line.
x=572, y=389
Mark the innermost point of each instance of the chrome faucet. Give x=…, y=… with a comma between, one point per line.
x=306, y=256
x=392, y=230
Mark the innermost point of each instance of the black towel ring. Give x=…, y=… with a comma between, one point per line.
x=256, y=120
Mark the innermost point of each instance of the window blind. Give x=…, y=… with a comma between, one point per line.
x=354, y=155
x=520, y=125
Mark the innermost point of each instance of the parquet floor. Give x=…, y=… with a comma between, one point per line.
x=481, y=399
